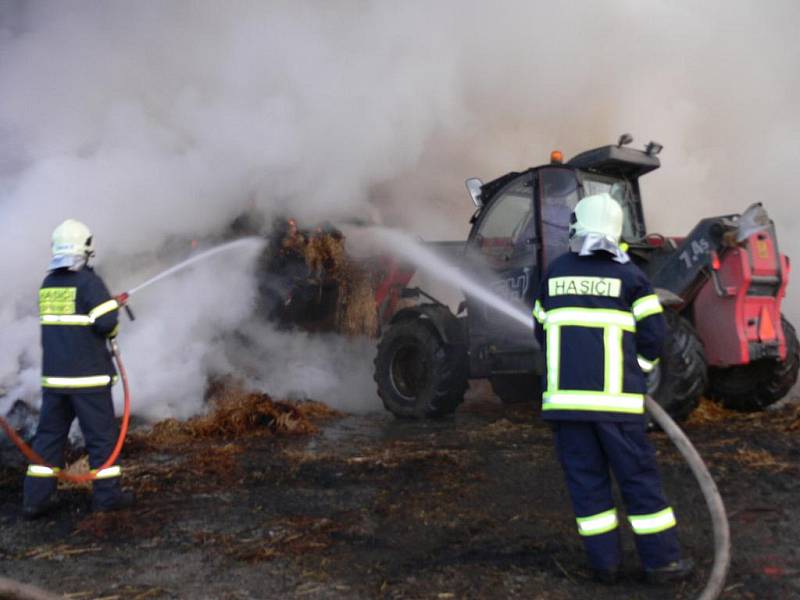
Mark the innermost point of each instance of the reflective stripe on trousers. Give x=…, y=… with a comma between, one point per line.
x=42, y=471
x=600, y=523
x=653, y=523
x=76, y=382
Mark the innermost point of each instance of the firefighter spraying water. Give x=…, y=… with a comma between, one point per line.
x=603, y=327
x=80, y=322
x=79, y=319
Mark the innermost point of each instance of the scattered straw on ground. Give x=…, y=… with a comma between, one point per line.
x=786, y=417
x=59, y=551
x=131, y=524
x=235, y=412
x=710, y=412
x=758, y=458
x=290, y=536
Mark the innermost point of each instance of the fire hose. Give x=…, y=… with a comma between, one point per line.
x=719, y=519
x=34, y=457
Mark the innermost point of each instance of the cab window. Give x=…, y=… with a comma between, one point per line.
x=507, y=230
x=620, y=190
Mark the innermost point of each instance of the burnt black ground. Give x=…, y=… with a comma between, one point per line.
x=372, y=507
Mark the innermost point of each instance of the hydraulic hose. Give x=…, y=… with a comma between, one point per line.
x=719, y=519
x=34, y=457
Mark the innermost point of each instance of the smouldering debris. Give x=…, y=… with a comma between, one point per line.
x=236, y=411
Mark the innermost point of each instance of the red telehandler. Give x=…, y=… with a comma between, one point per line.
x=722, y=285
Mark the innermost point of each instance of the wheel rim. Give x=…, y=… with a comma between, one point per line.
x=408, y=371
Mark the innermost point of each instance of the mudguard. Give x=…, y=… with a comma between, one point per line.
x=449, y=327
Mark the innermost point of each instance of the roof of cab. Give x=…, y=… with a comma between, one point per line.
x=616, y=160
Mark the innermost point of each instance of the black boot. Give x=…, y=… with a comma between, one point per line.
x=31, y=512
x=674, y=571
x=607, y=576
x=122, y=501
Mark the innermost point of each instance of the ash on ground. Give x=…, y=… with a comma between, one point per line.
x=373, y=507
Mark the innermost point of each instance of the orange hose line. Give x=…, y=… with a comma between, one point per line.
x=34, y=457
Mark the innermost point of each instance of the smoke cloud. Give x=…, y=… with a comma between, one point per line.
x=159, y=123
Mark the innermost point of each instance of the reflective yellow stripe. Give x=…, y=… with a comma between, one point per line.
x=41, y=471
x=94, y=314
x=553, y=357
x=584, y=286
x=65, y=320
x=590, y=317
x=646, y=365
x=613, y=360
x=538, y=312
x=594, y=401
x=102, y=309
x=76, y=382
x=57, y=301
x=108, y=472
x=611, y=398
x=600, y=523
x=653, y=523
x=646, y=306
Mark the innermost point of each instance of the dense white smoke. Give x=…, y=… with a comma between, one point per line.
x=157, y=122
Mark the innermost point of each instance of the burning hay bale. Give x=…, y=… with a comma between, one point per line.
x=324, y=252
x=314, y=283
x=327, y=258
x=236, y=412
x=356, y=311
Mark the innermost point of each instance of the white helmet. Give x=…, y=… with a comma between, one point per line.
x=72, y=243
x=599, y=213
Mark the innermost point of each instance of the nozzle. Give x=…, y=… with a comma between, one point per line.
x=122, y=300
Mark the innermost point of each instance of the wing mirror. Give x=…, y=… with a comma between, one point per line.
x=474, y=186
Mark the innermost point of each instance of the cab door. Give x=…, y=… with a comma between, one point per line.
x=502, y=252
x=557, y=195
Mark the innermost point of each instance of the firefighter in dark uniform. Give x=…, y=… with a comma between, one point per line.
x=603, y=329
x=77, y=316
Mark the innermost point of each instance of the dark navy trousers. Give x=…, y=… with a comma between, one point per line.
x=95, y=412
x=587, y=450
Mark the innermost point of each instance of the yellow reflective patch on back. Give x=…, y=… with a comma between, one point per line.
x=585, y=286
x=57, y=301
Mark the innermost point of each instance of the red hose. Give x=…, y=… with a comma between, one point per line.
x=34, y=458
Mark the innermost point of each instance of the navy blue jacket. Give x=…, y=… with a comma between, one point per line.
x=77, y=316
x=603, y=328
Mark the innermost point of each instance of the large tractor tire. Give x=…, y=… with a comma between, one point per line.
x=516, y=389
x=755, y=386
x=418, y=374
x=681, y=376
